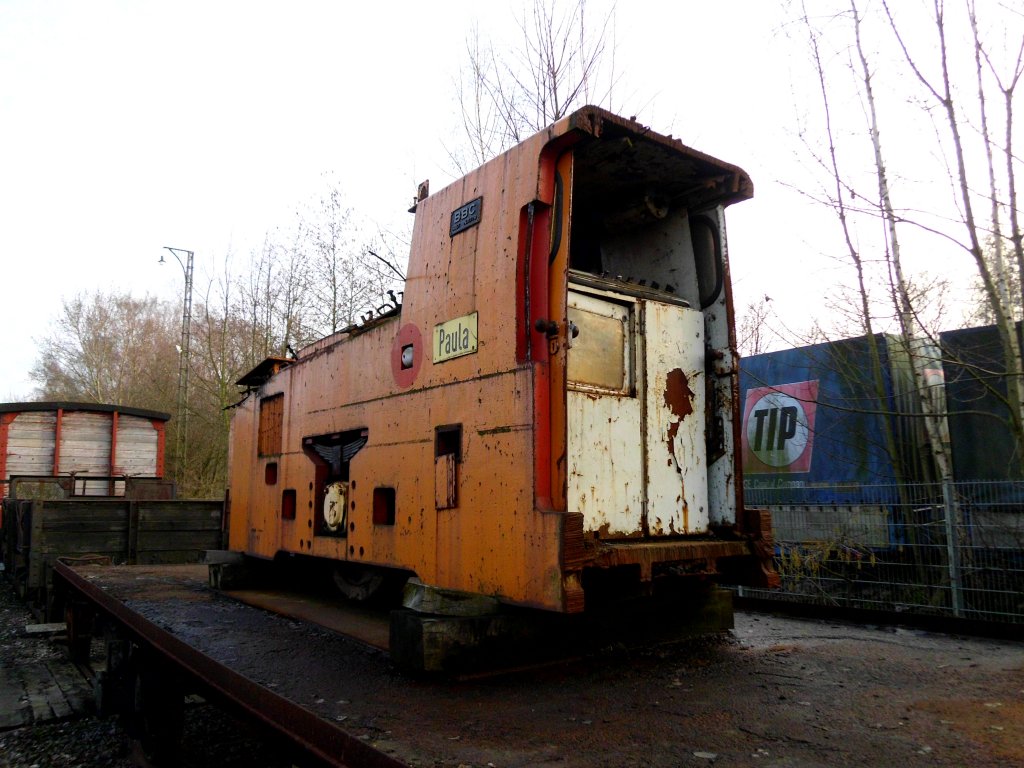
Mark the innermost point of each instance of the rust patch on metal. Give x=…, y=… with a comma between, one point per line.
x=697, y=556
x=757, y=524
x=605, y=532
x=679, y=399
x=574, y=554
x=678, y=395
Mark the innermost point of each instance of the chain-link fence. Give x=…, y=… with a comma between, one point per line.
x=954, y=549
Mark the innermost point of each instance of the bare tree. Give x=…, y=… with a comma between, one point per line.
x=253, y=301
x=479, y=111
x=294, y=302
x=752, y=329
x=331, y=242
x=991, y=270
x=887, y=296
x=838, y=200
x=563, y=60
x=221, y=355
x=349, y=272
x=979, y=312
x=911, y=337
x=110, y=348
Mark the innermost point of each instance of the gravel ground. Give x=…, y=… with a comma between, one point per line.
x=212, y=738
x=84, y=741
x=76, y=743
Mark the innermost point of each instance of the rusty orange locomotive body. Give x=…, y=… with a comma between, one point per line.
x=554, y=398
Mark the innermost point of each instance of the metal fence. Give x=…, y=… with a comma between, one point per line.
x=953, y=549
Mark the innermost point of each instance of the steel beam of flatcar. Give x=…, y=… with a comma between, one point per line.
x=696, y=556
x=317, y=738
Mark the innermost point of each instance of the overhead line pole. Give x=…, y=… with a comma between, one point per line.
x=181, y=433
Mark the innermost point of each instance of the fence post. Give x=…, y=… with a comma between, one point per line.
x=133, y=532
x=953, y=546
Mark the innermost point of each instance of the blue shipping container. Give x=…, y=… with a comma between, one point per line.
x=983, y=445
x=821, y=414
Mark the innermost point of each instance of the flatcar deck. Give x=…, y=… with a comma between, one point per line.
x=782, y=692
x=255, y=661
x=366, y=626
x=318, y=672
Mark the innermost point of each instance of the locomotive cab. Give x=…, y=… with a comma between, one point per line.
x=646, y=311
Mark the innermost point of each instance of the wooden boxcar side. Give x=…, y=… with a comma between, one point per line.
x=81, y=439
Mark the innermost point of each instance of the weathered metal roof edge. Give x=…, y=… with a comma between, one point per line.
x=591, y=119
x=53, y=405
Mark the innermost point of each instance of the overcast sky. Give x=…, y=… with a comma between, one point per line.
x=128, y=126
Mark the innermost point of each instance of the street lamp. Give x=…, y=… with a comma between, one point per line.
x=181, y=443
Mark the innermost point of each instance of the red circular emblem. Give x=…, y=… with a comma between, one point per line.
x=406, y=355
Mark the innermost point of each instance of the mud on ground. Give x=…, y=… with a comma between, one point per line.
x=777, y=692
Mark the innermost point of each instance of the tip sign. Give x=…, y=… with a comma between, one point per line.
x=778, y=428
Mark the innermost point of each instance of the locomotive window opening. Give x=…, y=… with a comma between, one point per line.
x=270, y=473
x=269, y=439
x=448, y=441
x=447, y=457
x=288, y=504
x=331, y=456
x=633, y=238
x=636, y=224
x=637, y=245
x=707, y=257
x=601, y=356
x=383, y=506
